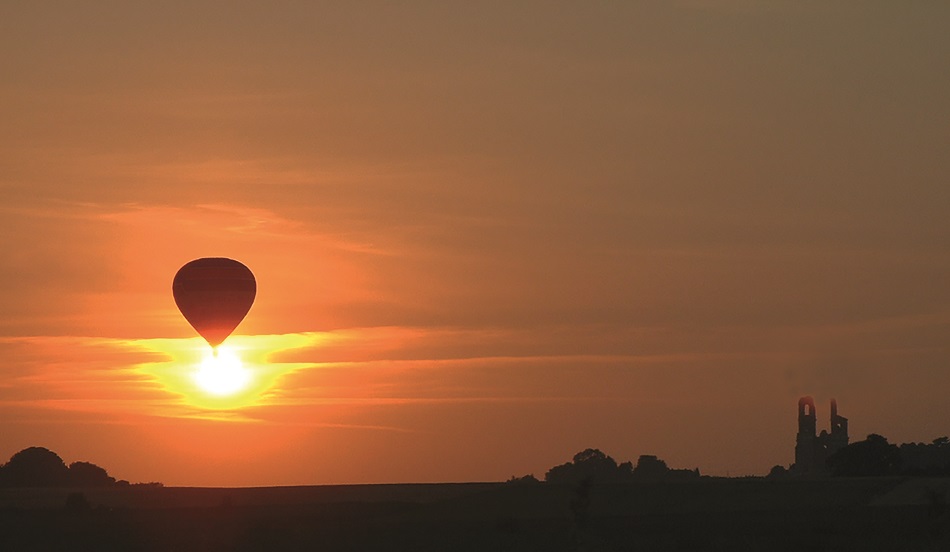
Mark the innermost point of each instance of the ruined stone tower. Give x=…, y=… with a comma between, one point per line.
x=812, y=450
x=839, y=430
x=805, y=440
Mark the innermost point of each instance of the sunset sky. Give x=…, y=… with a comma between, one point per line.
x=486, y=235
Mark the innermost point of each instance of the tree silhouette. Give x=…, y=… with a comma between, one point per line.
x=926, y=460
x=41, y=467
x=85, y=474
x=35, y=467
x=872, y=457
x=590, y=464
x=650, y=468
x=597, y=467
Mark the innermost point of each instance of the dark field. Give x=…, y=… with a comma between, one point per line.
x=710, y=514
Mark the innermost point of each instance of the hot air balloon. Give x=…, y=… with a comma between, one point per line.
x=214, y=294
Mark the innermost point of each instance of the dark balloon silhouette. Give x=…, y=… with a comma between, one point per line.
x=214, y=295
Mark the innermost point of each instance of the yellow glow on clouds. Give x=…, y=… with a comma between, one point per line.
x=240, y=375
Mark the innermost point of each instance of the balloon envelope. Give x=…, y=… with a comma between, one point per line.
x=214, y=294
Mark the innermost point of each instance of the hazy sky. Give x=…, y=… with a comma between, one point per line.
x=487, y=235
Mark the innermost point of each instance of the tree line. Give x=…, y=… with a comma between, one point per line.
x=593, y=466
x=876, y=457
x=41, y=467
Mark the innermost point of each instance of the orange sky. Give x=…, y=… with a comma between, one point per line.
x=486, y=236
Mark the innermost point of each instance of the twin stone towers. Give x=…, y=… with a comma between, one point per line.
x=812, y=450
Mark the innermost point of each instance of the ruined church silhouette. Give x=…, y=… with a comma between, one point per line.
x=812, y=450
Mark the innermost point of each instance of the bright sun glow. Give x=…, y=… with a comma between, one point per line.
x=245, y=373
x=222, y=374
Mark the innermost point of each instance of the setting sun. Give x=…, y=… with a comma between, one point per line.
x=244, y=372
x=223, y=373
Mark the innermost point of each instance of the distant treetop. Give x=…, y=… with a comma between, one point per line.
x=596, y=467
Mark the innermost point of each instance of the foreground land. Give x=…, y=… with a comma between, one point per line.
x=709, y=514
